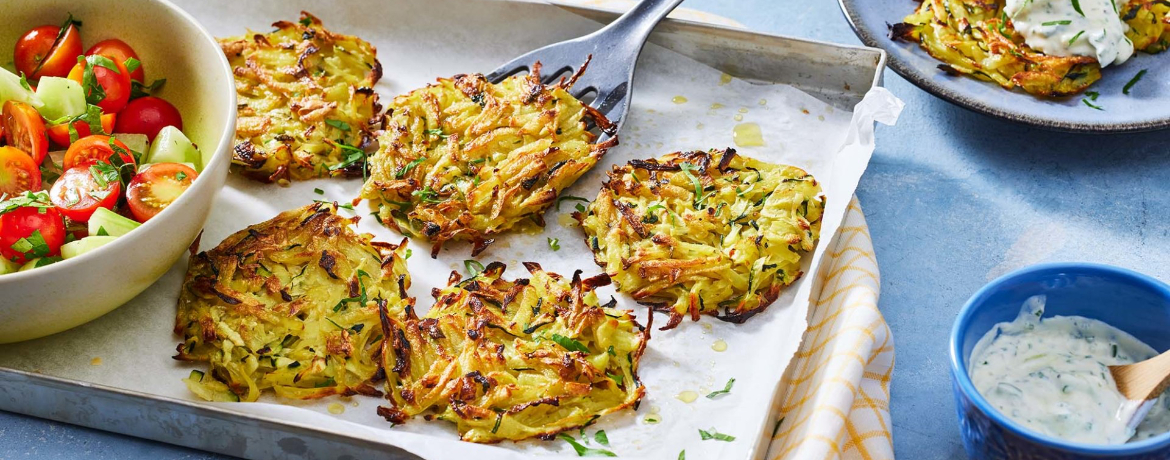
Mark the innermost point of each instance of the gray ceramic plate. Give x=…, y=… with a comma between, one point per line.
x=1146, y=108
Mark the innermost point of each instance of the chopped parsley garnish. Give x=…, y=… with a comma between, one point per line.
x=337, y=124
x=39, y=200
x=726, y=389
x=554, y=243
x=33, y=245
x=473, y=267
x=583, y=451
x=1133, y=81
x=137, y=89
x=94, y=92
x=708, y=435
x=403, y=171
x=568, y=198
x=132, y=64
x=569, y=344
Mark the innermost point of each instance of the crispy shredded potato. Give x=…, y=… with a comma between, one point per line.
x=698, y=232
x=971, y=39
x=1149, y=22
x=306, y=102
x=975, y=38
x=291, y=304
x=513, y=359
x=467, y=159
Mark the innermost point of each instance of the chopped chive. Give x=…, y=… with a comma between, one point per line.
x=583, y=451
x=318, y=191
x=708, y=435
x=1077, y=6
x=1057, y=23
x=473, y=267
x=1075, y=37
x=338, y=124
x=554, y=243
x=569, y=343
x=1133, y=81
x=568, y=198
x=726, y=389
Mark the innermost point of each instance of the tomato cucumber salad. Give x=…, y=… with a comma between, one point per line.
x=86, y=153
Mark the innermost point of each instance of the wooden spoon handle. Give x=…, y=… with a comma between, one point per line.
x=1145, y=380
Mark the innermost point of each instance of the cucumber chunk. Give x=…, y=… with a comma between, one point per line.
x=172, y=146
x=12, y=90
x=138, y=143
x=8, y=266
x=105, y=222
x=75, y=248
x=62, y=98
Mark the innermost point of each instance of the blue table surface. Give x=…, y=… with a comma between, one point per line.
x=953, y=198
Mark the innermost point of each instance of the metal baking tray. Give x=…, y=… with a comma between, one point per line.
x=836, y=74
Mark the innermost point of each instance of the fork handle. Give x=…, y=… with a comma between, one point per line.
x=632, y=28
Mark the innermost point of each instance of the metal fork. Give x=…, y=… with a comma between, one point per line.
x=612, y=53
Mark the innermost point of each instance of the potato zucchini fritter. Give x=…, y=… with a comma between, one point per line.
x=698, y=232
x=290, y=304
x=467, y=159
x=306, y=101
x=513, y=359
x=976, y=38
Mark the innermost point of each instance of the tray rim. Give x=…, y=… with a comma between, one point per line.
x=222, y=414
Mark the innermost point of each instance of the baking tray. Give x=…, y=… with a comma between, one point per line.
x=836, y=74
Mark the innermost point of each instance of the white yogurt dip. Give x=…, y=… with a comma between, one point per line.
x=1073, y=28
x=1051, y=375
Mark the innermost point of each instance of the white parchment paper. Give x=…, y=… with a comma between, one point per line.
x=416, y=43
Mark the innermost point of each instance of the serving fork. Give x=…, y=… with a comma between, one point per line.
x=610, y=53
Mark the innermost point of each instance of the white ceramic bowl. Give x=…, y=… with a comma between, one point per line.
x=200, y=84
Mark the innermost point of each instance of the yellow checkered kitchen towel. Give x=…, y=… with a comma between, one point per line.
x=836, y=400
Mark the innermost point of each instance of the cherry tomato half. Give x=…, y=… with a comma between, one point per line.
x=92, y=149
x=119, y=51
x=39, y=53
x=25, y=130
x=116, y=84
x=83, y=189
x=18, y=172
x=156, y=187
x=42, y=228
x=147, y=115
x=59, y=134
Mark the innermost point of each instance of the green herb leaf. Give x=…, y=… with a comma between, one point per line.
x=682, y=454
x=583, y=451
x=554, y=243
x=306, y=21
x=39, y=200
x=353, y=155
x=427, y=195
x=708, y=435
x=33, y=245
x=1075, y=37
x=132, y=64
x=564, y=198
x=1133, y=81
x=137, y=89
x=1090, y=104
x=1002, y=28
x=686, y=169
x=569, y=344
x=102, y=232
x=1077, y=6
x=473, y=267
x=24, y=82
x=726, y=389
x=601, y=438
x=179, y=176
x=1057, y=23
x=338, y=124
x=403, y=171
x=103, y=173
x=409, y=253
x=437, y=132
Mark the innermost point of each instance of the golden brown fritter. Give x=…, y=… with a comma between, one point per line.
x=513, y=359
x=306, y=102
x=467, y=159
x=291, y=304
x=699, y=232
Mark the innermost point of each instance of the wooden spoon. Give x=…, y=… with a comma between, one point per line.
x=1141, y=383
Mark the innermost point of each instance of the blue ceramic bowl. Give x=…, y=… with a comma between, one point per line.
x=1127, y=300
